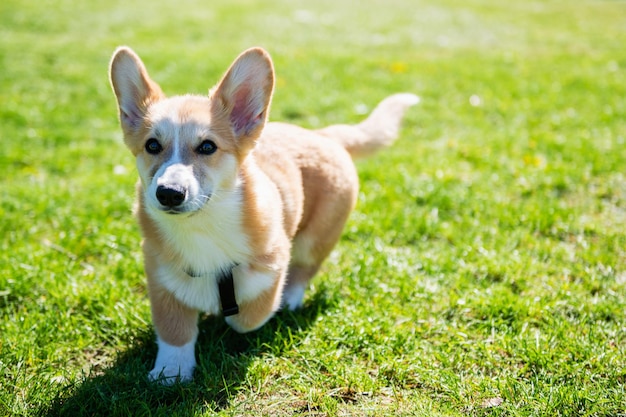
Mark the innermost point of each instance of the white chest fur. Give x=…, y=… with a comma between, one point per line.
x=204, y=244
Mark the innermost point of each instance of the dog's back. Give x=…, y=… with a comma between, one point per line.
x=318, y=182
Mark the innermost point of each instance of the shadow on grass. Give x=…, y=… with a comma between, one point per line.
x=223, y=360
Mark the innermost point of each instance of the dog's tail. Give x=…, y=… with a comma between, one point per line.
x=380, y=128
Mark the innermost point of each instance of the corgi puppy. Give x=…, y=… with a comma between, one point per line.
x=237, y=214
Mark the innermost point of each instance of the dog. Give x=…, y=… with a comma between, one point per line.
x=237, y=214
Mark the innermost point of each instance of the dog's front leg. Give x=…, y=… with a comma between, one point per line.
x=260, y=288
x=176, y=326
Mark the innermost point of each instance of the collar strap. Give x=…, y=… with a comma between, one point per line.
x=226, y=284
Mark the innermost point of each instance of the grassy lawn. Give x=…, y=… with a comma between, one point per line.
x=483, y=272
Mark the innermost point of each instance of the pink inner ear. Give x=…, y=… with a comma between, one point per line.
x=131, y=118
x=243, y=117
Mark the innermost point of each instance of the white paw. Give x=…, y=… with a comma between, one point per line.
x=169, y=376
x=173, y=363
x=293, y=296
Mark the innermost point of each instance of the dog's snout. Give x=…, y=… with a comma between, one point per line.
x=170, y=196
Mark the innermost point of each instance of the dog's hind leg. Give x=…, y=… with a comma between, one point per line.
x=315, y=241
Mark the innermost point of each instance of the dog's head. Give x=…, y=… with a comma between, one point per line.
x=190, y=148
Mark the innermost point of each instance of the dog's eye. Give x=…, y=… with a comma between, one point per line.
x=207, y=147
x=153, y=146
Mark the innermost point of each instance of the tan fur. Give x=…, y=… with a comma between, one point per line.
x=270, y=198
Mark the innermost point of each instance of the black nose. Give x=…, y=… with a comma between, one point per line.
x=170, y=196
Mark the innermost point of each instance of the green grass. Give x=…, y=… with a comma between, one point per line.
x=483, y=272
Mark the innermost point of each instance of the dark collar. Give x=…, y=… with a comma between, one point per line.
x=226, y=285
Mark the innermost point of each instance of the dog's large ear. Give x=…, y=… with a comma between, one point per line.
x=132, y=86
x=244, y=94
